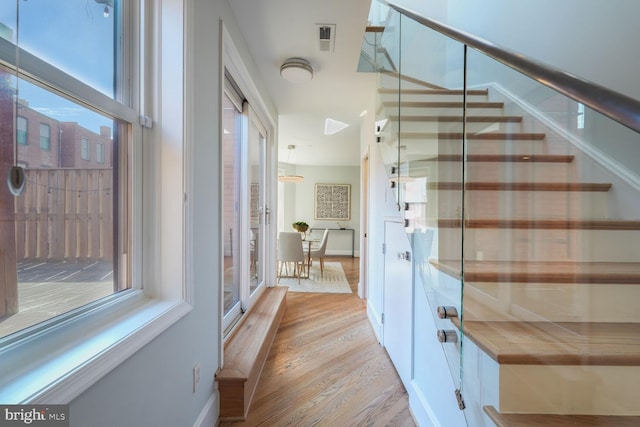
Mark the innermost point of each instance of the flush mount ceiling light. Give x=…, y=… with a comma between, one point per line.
x=290, y=178
x=333, y=126
x=296, y=70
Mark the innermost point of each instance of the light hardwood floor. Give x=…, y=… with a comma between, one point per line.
x=326, y=367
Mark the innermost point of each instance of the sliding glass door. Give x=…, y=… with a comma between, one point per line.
x=232, y=120
x=245, y=212
x=258, y=213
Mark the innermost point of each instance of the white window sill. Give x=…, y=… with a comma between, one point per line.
x=57, y=365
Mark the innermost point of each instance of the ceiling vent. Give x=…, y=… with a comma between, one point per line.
x=326, y=37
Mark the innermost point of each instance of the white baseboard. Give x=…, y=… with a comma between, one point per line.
x=375, y=320
x=420, y=409
x=209, y=415
x=347, y=252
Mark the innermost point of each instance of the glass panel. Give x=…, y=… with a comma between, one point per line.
x=62, y=225
x=257, y=152
x=231, y=146
x=431, y=172
x=76, y=36
x=387, y=124
x=551, y=236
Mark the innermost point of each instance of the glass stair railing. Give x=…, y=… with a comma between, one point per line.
x=519, y=187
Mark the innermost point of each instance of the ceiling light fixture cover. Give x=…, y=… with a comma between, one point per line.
x=296, y=70
x=332, y=126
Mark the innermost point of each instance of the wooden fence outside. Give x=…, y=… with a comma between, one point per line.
x=65, y=214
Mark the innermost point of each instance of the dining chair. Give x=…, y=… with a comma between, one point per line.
x=320, y=250
x=290, y=251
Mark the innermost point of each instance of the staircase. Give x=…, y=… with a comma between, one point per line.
x=551, y=282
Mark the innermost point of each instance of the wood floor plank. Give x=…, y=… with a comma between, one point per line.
x=326, y=367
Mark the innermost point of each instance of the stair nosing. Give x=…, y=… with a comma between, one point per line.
x=555, y=343
x=561, y=272
x=513, y=158
x=522, y=186
x=456, y=92
x=546, y=224
x=500, y=136
x=443, y=104
x=559, y=420
x=469, y=119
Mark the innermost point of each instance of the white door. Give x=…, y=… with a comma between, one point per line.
x=398, y=299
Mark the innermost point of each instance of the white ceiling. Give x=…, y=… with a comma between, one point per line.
x=279, y=29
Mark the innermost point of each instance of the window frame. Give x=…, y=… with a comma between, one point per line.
x=57, y=360
x=232, y=63
x=45, y=140
x=84, y=148
x=232, y=94
x=100, y=153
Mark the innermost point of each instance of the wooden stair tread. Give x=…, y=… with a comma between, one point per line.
x=511, y=158
x=557, y=343
x=442, y=104
x=458, y=119
x=501, y=136
x=521, y=186
x=543, y=271
x=396, y=75
x=546, y=224
x=554, y=420
x=433, y=91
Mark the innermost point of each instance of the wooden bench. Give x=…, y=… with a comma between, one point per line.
x=246, y=351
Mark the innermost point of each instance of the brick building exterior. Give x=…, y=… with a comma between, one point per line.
x=43, y=142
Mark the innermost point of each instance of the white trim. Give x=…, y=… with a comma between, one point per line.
x=376, y=321
x=596, y=155
x=209, y=415
x=233, y=61
x=420, y=408
x=93, y=345
x=188, y=175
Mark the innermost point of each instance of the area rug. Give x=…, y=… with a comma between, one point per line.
x=333, y=281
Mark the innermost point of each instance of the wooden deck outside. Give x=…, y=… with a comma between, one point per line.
x=47, y=289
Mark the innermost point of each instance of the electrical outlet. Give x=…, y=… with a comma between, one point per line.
x=196, y=375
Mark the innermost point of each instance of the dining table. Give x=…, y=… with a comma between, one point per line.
x=309, y=245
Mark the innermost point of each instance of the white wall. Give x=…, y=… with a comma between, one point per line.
x=154, y=386
x=299, y=206
x=594, y=39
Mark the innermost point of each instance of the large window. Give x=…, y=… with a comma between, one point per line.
x=62, y=233
x=66, y=233
x=73, y=235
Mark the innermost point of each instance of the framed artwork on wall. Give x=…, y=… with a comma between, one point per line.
x=332, y=202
